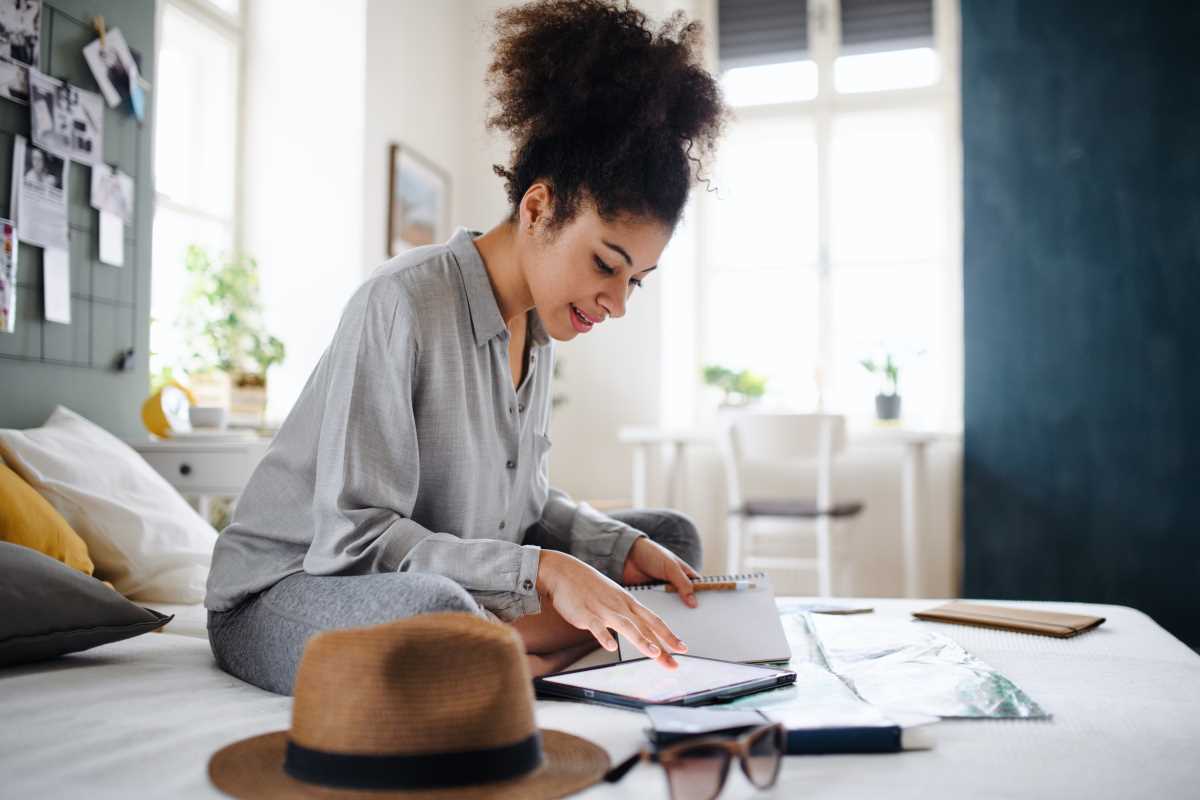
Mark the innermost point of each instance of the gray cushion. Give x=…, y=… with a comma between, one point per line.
x=48, y=608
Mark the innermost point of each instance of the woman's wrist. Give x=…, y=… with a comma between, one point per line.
x=547, y=566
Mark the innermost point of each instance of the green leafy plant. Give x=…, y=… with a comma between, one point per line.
x=739, y=387
x=161, y=377
x=221, y=319
x=887, y=370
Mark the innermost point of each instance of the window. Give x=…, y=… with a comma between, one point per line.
x=833, y=228
x=196, y=152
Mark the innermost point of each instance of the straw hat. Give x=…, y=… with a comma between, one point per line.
x=437, y=705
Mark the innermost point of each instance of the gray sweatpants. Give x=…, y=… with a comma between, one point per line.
x=262, y=639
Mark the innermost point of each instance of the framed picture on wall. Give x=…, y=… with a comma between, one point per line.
x=418, y=201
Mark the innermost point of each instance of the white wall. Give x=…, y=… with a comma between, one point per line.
x=302, y=189
x=484, y=203
x=416, y=74
x=317, y=130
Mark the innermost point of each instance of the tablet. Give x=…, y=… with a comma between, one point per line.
x=643, y=682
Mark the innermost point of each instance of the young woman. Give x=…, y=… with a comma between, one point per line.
x=411, y=476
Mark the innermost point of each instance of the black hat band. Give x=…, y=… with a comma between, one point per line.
x=425, y=771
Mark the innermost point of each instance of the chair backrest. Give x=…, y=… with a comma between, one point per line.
x=793, y=438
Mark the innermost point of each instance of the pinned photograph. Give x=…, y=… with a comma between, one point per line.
x=113, y=66
x=56, y=286
x=66, y=119
x=418, y=201
x=14, y=81
x=8, y=276
x=20, y=21
x=112, y=192
x=112, y=240
x=39, y=195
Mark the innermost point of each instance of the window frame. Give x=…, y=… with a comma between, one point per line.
x=823, y=48
x=231, y=27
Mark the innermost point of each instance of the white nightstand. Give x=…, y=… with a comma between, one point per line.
x=201, y=469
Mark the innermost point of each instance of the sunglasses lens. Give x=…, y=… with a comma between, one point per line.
x=698, y=773
x=766, y=754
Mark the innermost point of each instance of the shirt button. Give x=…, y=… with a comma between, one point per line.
x=527, y=585
x=501, y=524
x=510, y=409
x=521, y=407
x=511, y=464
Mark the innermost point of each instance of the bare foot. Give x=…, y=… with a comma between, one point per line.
x=557, y=661
x=547, y=632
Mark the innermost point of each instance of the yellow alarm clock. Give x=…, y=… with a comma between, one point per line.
x=166, y=411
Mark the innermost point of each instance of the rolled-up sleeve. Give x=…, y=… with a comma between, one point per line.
x=368, y=468
x=590, y=535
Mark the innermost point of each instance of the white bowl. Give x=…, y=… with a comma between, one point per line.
x=208, y=416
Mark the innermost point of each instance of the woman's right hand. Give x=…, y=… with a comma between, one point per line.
x=590, y=601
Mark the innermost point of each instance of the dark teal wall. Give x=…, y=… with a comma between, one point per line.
x=1081, y=168
x=42, y=363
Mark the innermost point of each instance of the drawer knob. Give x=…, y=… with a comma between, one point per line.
x=185, y=469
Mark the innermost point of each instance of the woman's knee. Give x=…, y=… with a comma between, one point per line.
x=263, y=640
x=434, y=593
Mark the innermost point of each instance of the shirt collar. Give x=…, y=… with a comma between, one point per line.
x=486, y=321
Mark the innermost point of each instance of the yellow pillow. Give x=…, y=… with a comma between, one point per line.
x=26, y=518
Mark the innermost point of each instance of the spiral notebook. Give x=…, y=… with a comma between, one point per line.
x=732, y=626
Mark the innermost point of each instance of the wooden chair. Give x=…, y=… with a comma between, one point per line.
x=788, y=440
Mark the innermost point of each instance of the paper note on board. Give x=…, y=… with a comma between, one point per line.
x=56, y=282
x=8, y=276
x=112, y=239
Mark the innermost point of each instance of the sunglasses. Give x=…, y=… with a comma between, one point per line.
x=697, y=768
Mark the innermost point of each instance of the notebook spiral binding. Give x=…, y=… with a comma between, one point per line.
x=741, y=576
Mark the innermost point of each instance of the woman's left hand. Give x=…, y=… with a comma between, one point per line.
x=650, y=561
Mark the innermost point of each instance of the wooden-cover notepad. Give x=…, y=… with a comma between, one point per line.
x=732, y=626
x=1047, y=623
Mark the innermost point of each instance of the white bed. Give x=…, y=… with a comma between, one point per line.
x=139, y=718
x=190, y=620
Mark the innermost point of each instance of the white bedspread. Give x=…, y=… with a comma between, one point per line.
x=190, y=620
x=139, y=718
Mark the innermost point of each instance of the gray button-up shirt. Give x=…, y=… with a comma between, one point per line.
x=409, y=450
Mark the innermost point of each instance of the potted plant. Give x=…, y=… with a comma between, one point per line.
x=221, y=322
x=887, y=401
x=739, y=389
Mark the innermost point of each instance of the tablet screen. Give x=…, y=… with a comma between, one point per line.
x=649, y=681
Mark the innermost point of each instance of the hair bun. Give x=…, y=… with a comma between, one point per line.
x=591, y=73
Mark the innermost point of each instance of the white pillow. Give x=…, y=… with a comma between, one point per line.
x=141, y=534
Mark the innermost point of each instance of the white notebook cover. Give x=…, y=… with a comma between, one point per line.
x=732, y=626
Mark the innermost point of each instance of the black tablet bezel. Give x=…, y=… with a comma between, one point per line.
x=545, y=688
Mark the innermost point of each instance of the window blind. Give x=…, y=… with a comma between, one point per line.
x=752, y=32
x=870, y=26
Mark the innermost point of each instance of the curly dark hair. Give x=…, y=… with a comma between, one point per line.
x=602, y=108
